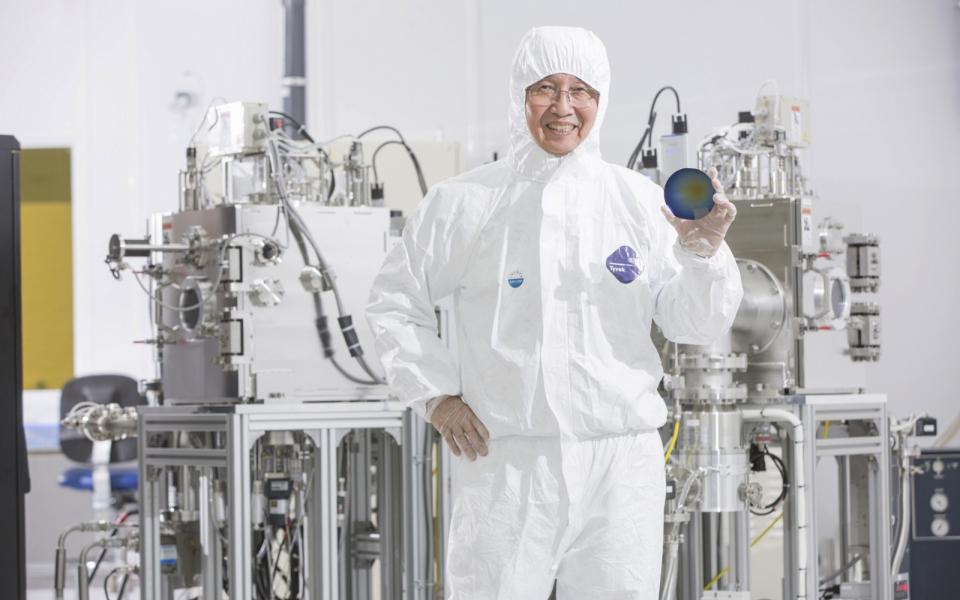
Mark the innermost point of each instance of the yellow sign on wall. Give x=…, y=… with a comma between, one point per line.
x=46, y=267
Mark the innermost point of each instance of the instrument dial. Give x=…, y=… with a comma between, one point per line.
x=940, y=527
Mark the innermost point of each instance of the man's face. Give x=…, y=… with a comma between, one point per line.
x=557, y=120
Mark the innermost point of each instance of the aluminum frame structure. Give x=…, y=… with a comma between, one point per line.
x=237, y=428
x=864, y=484
x=864, y=468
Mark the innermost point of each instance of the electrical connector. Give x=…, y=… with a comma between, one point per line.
x=679, y=123
x=925, y=426
x=648, y=158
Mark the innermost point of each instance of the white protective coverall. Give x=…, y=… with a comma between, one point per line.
x=556, y=266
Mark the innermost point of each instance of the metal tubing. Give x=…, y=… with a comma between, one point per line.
x=797, y=469
x=905, y=508
x=83, y=576
x=670, y=573
x=741, y=523
x=60, y=563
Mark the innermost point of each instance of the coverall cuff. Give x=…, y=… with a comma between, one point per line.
x=424, y=406
x=714, y=265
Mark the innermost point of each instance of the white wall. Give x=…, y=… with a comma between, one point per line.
x=885, y=90
x=100, y=77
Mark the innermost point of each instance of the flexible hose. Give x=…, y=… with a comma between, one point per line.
x=904, y=533
x=673, y=440
x=670, y=573
x=673, y=540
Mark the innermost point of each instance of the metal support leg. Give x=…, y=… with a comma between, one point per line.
x=325, y=553
x=240, y=551
x=210, y=547
x=390, y=516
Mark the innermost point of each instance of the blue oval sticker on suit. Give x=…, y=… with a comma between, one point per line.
x=623, y=264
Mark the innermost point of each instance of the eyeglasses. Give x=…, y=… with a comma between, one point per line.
x=545, y=94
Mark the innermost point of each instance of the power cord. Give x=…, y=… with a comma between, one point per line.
x=651, y=119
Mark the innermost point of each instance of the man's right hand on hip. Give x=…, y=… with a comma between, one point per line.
x=460, y=427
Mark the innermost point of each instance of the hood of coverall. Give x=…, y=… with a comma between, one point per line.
x=545, y=51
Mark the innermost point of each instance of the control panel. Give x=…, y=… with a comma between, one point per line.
x=936, y=496
x=934, y=552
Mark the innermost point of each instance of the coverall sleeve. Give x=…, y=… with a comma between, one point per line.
x=426, y=266
x=696, y=299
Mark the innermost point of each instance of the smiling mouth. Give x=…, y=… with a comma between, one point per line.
x=560, y=128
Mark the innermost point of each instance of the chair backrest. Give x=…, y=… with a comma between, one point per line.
x=102, y=389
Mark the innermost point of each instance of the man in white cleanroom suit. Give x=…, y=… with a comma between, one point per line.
x=557, y=262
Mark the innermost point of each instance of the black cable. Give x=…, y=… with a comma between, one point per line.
x=123, y=586
x=632, y=161
x=276, y=563
x=106, y=591
x=842, y=571
x=296, y=223
x=784, y=486
x=106, y=581
x=783, y=477
x=416, y=165
x=350, y=376
x=345, y=320
x=413, y=157
x=300, y=129
x=378, y=127
x=103, y=552
x=373, y=161
x=258, y=537
x=263, y=572
x=321, y=318
x=263, y=586
x=421, y=181
x=298, y=237
x=653, y=114
x=296, y=569
x=651, y=119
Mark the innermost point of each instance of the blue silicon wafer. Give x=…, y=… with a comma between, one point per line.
x=689, y=194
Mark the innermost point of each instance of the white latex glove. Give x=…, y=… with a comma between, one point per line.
x=703, y=236
x=460, y=427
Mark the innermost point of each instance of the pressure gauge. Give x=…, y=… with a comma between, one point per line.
x=939, y=502
x=940, y=527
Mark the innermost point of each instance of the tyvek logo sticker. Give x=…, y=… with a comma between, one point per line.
x=515, y=279
x=624, y=265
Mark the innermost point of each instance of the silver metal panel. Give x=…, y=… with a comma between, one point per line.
x=278, y=356
x=827, y=363
x=766, y=231
x=771, y=232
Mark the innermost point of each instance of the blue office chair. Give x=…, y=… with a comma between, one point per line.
x=101, y=389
